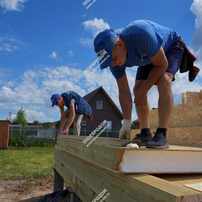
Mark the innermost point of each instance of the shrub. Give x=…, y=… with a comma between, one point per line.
x=19, y=139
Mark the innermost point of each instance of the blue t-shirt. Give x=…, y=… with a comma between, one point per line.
x=143, y=39
x=81, y=106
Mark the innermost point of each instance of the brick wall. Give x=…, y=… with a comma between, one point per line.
x=4, y=134
x=182, y=116
x=185, y=127
x=192, y=98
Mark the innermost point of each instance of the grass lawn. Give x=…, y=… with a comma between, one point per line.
x=27, y=162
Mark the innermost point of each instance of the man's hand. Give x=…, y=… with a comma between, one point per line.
x=64, y=132
x=70, y=115
x=124, y=132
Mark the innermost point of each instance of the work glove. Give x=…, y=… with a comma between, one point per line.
x=124, y=132
x=64, y=131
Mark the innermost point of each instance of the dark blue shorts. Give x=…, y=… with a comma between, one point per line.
x=174, y=56
x=84, y=108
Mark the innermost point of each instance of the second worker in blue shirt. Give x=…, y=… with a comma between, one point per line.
x=72, y=110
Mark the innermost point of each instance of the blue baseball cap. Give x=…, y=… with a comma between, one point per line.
x=103, y=45
x=54, y=99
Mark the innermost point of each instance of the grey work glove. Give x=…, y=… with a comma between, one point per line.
x=124, y=132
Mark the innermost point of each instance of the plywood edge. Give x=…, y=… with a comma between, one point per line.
x=135, y=161
x=172, y=148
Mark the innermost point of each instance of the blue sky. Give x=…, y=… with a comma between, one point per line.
x=46, y=46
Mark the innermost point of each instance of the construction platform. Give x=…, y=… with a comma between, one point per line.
x=144, y=175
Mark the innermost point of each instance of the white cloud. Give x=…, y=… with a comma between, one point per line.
x=53, y=55
x=95, y=25
x=15, y=5
x=9, y=44
x=35, y=115
x=35, y=87
x=196, y=8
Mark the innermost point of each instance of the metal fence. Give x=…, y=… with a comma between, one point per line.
x=35, y=132
x=107, y=133
x=39, y=136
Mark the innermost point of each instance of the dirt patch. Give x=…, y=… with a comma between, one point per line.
x=16, y=190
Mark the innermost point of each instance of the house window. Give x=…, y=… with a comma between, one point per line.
x=83, y=124
x=83, y=128
x=109, y=125
x=99, y=104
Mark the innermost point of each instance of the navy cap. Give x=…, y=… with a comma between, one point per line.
x=103, y=45
x=54, y=99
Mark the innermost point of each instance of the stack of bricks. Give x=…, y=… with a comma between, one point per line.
x=185, y=127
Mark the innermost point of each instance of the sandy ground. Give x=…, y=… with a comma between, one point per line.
x=16, y=190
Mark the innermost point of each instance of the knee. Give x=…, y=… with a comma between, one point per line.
x=165, y=82
x=164, y=86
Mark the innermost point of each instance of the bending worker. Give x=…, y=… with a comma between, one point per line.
x=77, y=108
x=159, y=53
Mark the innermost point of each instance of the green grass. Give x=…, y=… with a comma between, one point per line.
x=30, y=162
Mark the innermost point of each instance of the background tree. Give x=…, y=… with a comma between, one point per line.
x=21, y=118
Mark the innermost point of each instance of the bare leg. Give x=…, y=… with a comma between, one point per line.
x=141, y=105
x=78, y=124
x=165, y=100
x=65, y=120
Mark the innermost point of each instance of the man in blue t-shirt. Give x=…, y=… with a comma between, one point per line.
x=158, y=51
x=77, y=108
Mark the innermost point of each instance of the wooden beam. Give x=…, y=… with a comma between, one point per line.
x=122, y=187
x=80, y=188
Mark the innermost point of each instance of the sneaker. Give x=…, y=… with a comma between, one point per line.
x=141, y=139
x=193, y=72
x=159, y=141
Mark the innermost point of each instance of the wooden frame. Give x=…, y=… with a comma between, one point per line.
x=88, y=176
x=107, y=152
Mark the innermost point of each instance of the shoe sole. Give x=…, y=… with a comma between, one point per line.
x=158, y=147
x=139, y=144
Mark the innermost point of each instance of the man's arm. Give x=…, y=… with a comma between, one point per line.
x=125, y=97
x=71, y=115
x=62, y=118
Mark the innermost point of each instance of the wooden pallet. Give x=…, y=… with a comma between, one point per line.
x=91, y=171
